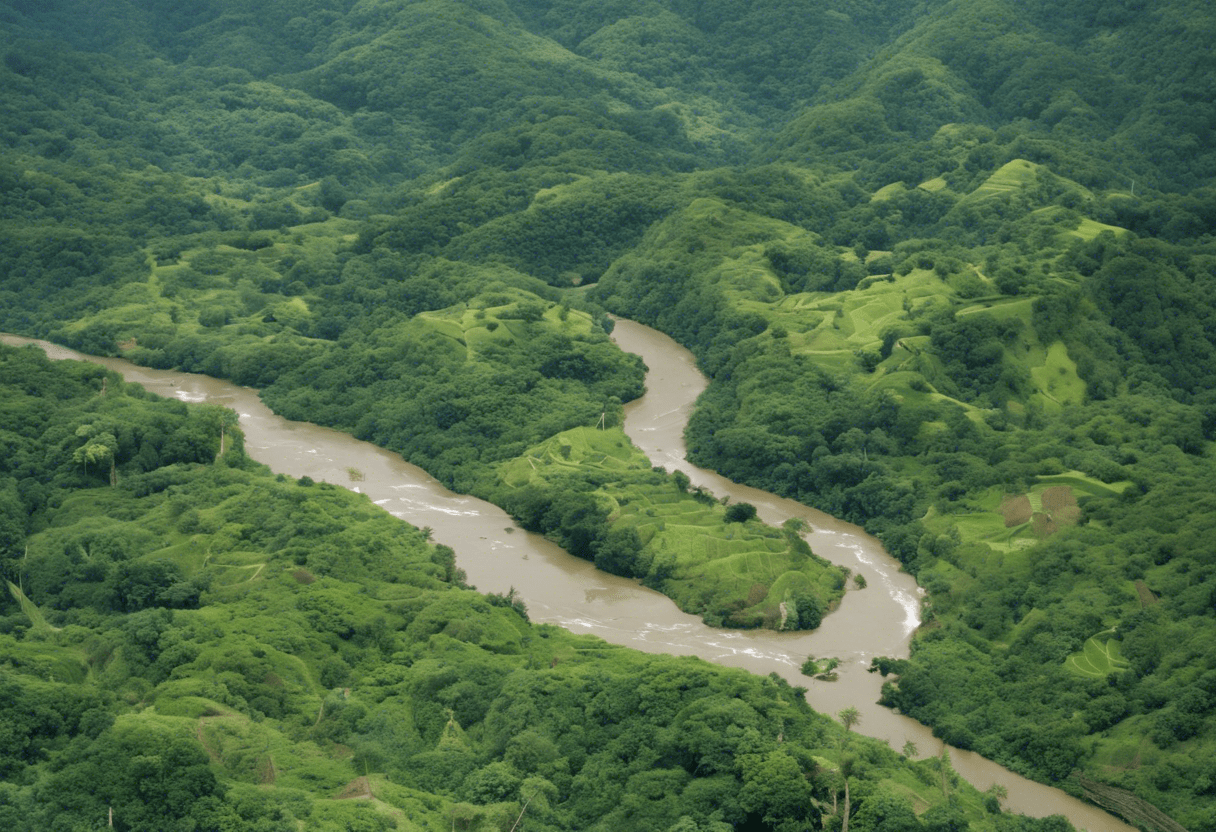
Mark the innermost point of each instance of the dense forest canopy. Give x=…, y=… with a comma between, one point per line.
x=949, y=267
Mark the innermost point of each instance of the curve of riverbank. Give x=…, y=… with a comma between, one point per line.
x=561, y=589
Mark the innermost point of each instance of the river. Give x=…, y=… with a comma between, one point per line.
x=560, y=589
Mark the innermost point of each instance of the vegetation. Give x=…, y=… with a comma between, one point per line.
x=948, y=266
x=205, y=645
x=599, y=498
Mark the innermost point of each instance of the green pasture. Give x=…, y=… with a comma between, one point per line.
x=1013, y=176
x=254, y=753
x=1082, y=484
x=1052, y=370
x=989, y=528
x=232, y=568
x=987, y=525
x=873, y=311
x=1056, y=379
x=1089, y=229
x=1100, y=657
x=710, y=562
x=749, y=279
x=1002, y=308
x=334, y=228
x=443, y=324
x=579, y=449
x=848, y=320
x=44, y=659
x=889, y=191
x=38, y=622
x=1117, y=752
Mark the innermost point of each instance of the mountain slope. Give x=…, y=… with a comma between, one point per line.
x=948, y=265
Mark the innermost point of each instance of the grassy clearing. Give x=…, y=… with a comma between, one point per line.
x=1002, y=308
x=44, y=660
x=1088, y=229
x=258, y=754
x=1100, y=657
x=1057, y=380
x=38, y=622
x=748, y=570
x=1008, y=522
x=1010, y=177
x=1084, y=484
x=888, y=192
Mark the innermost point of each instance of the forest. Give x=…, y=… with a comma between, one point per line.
x=193, y=642
x=948, y=267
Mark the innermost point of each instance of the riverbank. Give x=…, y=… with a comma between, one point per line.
x=563, y=590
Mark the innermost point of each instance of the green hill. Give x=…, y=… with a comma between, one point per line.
x=948, y=266
x=205, y=645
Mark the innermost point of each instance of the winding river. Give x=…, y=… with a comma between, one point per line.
x=560, y=589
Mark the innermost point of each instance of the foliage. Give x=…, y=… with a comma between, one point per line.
x=333, y=653
x=598, y=497
x=909, y=242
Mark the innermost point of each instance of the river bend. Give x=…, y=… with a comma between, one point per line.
x=561, y=589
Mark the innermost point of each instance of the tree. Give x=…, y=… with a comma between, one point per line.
x=617, y=553
x=152, y=778
x=99, y=447
x=222, y=418
x=740, y=513
x=887, y=811
x=774, y=787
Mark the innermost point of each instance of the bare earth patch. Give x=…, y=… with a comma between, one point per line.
x=267, y=772
x=1016, y=510
x=1061, y=504
x=357, y=789
x=1059, y=510
x=1147, y=598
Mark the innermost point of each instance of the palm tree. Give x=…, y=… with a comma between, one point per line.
x=849, y=717
x=846, y=770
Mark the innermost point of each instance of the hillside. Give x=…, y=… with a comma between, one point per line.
x=195, y=643
x=949, y=267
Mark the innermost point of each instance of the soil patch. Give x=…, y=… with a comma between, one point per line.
x=1016, y=510
x=267, y=772
x=1061, y=504
x=357, y=789
x=1043, y=525
x=1147, y=598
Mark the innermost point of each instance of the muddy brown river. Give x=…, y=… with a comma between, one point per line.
x=560, y=589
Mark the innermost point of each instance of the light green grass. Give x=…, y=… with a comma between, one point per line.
x=888, y=192
x=1100, y=657
x=258, y=754
x=1089, y=229
x=44, y=659
x=987, y=525
x=1056, y=379
x=1002, y=309
x=1085, y=484
x=443, y=324
x=38, y=622
x=711, y=563
x=1012, y=176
